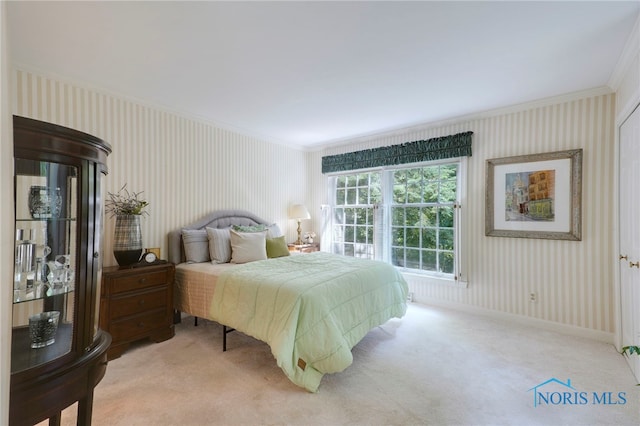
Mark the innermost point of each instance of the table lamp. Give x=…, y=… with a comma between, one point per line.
x=299, y=212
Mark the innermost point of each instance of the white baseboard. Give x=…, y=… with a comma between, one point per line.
x=572, y=330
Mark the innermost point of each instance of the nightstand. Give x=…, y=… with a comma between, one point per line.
x=304, y=248
x=136, y=303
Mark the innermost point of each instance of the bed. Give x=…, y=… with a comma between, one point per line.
x=311, y=309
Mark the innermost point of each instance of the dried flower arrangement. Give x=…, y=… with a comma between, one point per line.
x=124, y=203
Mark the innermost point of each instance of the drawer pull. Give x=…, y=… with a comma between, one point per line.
x=141, y=324
x=141, y=302
x=142, y=280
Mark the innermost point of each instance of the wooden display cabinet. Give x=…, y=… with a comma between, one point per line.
x=58, y=224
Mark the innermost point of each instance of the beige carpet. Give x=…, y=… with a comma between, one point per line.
x=434, y=366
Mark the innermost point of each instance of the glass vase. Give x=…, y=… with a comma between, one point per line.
x=127, y=241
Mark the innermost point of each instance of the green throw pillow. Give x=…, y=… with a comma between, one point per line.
x=277, y=247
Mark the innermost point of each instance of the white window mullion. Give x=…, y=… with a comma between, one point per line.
x=326, y=233
x=381, y=220
x=456, y=235
x=328, y=224
x=387, y=198
x=460, y=225
x=379, y=226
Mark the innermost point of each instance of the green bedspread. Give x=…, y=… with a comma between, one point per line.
x=310, y=308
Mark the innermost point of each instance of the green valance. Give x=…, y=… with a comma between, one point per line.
x=458, y=145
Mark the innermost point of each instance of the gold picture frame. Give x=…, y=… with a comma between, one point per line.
x=535, y=196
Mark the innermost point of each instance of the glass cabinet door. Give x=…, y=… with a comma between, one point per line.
x=46, y=255
x=58, y=356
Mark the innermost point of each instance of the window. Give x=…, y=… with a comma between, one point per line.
x=407, y=216
x=356, y=198
x=422, y=218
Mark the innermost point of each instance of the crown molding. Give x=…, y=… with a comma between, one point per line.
x=629, y=52
x=567, y=97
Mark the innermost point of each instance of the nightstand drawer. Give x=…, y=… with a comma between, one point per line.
x=140, y=302
x=137, y=303
x=138, y=325
x=138, y=281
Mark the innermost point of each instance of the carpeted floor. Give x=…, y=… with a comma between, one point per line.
x=434, y=366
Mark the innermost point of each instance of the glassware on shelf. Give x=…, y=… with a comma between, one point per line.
x=25, y=252
x=60, y=277
x=17, y=277
x=44, y=202
x=43, y=251
x=25, y=267
x=30, y=264
x=42, y=328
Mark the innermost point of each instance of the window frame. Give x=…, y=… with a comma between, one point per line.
x=333, y=188
x=382, y=237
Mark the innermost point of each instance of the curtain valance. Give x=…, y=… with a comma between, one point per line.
x=458, y=145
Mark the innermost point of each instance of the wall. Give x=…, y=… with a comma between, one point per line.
x=573, y=280
x=6, y=217
x=185, y=167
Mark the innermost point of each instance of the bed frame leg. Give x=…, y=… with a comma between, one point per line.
x=224, y=338
x=225, y=331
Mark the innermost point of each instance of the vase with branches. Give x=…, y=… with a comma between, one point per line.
x=127, y=207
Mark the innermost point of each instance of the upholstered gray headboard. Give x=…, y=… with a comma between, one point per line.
x=217, y=219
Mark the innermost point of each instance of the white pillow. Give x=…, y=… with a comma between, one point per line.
x=196, y=245
x=219, y=245
x=248, y=246
x=273, y=231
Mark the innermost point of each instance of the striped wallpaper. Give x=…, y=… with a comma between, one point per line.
x=188, y=167
x=574, y=281
x=185, y=167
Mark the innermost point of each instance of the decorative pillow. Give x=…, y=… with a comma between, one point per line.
x=196, y=245
x=273, y=231
x=277, y=247
x=249, y=228
x=219, y=245
x=248, y=246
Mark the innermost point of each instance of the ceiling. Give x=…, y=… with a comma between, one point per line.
x=307, y=74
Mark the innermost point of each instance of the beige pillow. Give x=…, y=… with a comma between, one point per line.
x=248, y=246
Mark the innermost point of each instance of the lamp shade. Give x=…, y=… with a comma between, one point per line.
x=299, y=211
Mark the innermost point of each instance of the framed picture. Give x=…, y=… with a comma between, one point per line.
x=535, y=196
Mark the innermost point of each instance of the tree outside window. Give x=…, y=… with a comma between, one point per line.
x=418, y=204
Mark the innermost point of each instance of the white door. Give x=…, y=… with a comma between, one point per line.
x=629, y=261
